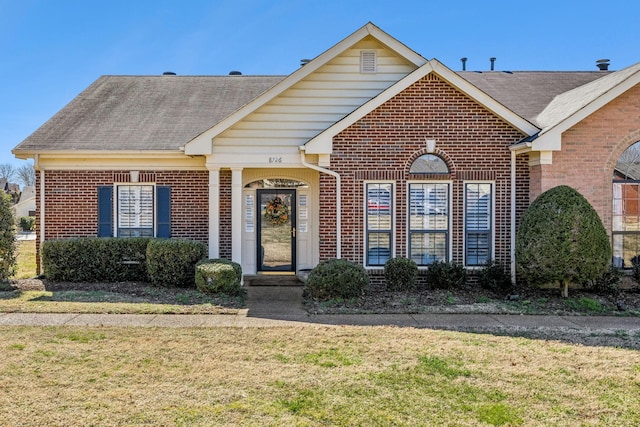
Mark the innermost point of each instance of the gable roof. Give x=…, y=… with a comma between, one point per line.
x=568, y=103
x=572, y=106
x=145, y=112
x=527, y=93
x=321, y=144
x=202, y=144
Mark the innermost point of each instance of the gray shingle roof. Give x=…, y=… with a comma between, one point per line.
x=166, y=112
x=145, y=112
x=527, y=93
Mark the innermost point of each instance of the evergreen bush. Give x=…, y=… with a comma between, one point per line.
x=495, y=277
x=561, y=239
x=219, y=276
x=27, y=223
x=335, y=279
x=7, y=239
x=171, y=262
x=400, y=274
x=446, y=275
x=93, y=259
x=606, y=284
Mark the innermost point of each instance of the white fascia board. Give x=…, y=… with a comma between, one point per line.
x=201, y=145
x=551, y=138
x=322, y=143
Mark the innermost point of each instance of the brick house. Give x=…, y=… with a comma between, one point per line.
x=366, y=152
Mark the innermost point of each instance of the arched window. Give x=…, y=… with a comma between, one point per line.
x=429, y=163
x=626, y=208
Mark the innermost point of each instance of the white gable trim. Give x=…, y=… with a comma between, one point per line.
x=550, y=139
x=202, y=144
x=322, y=143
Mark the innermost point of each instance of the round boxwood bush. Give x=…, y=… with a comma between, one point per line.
x=171, y=262
x=446, y=275
x=494, y=276
x=219, y=276
x=336, y=279
x=400, y=274
x=561, y=239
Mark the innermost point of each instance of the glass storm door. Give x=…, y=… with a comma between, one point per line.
x=276, y=230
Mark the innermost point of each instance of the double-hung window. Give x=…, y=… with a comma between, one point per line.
x=134, y=210
x=478, y=208
x=428, y=222
x=379, y=223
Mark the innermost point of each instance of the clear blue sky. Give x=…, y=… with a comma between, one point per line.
x=50, y=50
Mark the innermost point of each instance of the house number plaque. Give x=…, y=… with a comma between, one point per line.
x=275, y=159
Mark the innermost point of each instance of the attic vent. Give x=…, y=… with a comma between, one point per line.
x=368, y=63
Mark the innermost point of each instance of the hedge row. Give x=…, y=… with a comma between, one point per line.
x=163, y=262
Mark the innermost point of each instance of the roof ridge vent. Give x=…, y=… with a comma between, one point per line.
x=168, y=73
x=235, y=73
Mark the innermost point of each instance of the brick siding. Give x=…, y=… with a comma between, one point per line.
x=382, y=146
x=72, y=201
x=590, y=151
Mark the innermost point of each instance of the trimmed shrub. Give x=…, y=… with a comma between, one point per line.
x=400, y=274
x=93, y=259
x=27, y=223
x=561, y=239
x=336, y=278
x=495, y=277
x=446, y=275
x=219, y=276
x=7, y=238
x=606, y=284
x=171, y=262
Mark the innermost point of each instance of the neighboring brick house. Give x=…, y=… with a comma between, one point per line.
x=373, y=150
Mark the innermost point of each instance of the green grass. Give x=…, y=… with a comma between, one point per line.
x=309, y=376
x=26, y=257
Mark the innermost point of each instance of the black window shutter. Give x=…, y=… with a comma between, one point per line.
x=105, y=211
x=163, y=211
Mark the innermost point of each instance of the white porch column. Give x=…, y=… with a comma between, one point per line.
x=236, y=215
x=214, y=213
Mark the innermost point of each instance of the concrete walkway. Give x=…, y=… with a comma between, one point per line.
x=282, y=306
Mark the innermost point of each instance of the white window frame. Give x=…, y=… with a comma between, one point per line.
x=449, y=183
x=365, y=208
x=492, y=231
x=116, y=203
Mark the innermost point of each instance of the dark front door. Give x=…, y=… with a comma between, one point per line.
x=276, y=230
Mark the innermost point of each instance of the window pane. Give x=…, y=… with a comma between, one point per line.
x=429, y=206
x=135, y=210
x=626, y=250
x=427, y=248
x=429, y=163
x=477, y=248
x=378, y=248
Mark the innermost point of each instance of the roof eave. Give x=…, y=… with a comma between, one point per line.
x=321, y=144
x=202, y=144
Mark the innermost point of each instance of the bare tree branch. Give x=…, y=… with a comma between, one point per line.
x=7, y=171
x=26, y=175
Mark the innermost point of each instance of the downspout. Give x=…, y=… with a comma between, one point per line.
x=513, y=217
x=515, y=149
x=338, y=198
x=36, y=166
